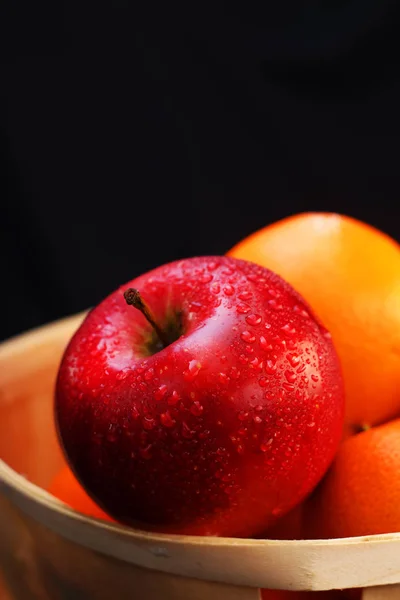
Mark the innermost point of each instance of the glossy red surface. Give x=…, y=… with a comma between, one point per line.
x=222, y=431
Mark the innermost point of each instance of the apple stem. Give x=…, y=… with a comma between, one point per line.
x=133, y=298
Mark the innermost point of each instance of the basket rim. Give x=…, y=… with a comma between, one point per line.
x=263, y=563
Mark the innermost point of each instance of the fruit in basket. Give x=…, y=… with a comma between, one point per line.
x=203, y=397
x=349, y=272
x=361, y=493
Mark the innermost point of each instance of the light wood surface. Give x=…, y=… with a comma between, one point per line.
x=45, y=542
x=387, y=592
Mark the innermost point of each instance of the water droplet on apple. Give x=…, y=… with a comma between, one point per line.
x=245, y=296
x=275, y=305
x=223, y=378
x=174, y=398
x=242, y=308
x=149, y=374
x=270, y=367
x=269, y=396
x=204, y=434
x=293, y=359
x=288, y=330
x=300, y=311
x=240, y=449
x=256, y=364
x=289, y=387
x=314, y=377
x=242, y=415
x=212, y=265
x=253, y=319
x=257, y=420
x=273, y=292
x=234, y=373
x=215, y=288
x=249, y=349
x=186, y=431
x=248, y=337
x=160, y=392
x=148, y=423
x=192, y=371
x=196, y=409
x=264, y=446
x=228, y=289
x=134, y=412
x=206, y=278
x=290, y=376
x=195, y=307
x=266, y=346
x=263, y=382
x=121, y=375
x=166, y=419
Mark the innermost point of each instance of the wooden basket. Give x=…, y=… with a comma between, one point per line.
x=50, y=552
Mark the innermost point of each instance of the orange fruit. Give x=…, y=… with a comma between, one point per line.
x=360, y=495
x=66, y=488
x=349, y=272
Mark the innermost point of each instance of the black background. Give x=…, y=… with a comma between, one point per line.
x=134, y=136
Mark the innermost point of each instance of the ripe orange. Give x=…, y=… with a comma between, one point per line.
x=349, y=272
x=360, y=494
x=66, y=488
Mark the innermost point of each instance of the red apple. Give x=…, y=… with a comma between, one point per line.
x=212, y=410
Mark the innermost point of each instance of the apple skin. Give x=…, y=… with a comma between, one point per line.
x=220, y=432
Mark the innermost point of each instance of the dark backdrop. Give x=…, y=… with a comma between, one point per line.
x=131, y=137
